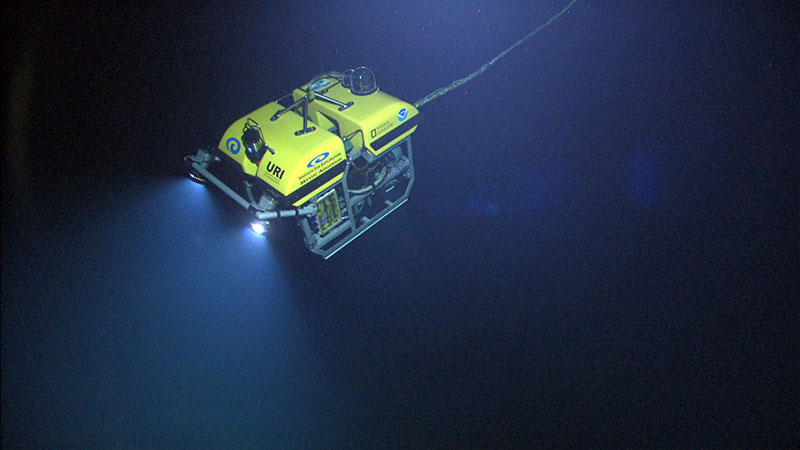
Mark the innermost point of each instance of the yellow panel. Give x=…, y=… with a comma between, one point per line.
x=231, y=142
x=375, y=114
x=301, y=159
x=298, y=159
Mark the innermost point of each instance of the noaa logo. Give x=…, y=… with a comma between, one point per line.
x=317, y=160
x=401, y=116
x=233, y=145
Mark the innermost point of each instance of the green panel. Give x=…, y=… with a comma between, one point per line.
x=328, y=212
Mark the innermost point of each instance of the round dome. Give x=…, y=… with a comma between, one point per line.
x=360, y=81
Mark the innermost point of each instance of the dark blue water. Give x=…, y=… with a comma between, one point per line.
x=600, y=249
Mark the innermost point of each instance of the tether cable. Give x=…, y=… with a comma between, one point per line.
x=443, y=90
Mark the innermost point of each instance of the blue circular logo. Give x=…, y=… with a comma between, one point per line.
x=233, y=145
x=401, y=116
x=317, y=160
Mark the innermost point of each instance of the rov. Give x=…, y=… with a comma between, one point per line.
x=334, y=154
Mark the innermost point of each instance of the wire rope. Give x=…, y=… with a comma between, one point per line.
x=443, y=90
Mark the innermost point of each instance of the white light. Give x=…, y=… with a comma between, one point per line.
x=258, y=227
x=196, y=177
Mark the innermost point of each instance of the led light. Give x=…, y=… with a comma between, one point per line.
x=259, y=227
x=195, y=176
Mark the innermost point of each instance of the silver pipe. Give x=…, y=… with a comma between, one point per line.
x=332, y=100
x=222, y=186
x=267, y=215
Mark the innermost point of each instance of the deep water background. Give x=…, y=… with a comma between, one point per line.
x=601, y=248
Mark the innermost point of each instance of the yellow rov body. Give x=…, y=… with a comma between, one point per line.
x=335, y=154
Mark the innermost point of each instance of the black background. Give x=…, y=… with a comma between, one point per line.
x=600, y=250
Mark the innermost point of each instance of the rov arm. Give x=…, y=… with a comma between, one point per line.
x=200, y=162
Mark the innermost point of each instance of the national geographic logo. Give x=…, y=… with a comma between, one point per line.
x=380, y=129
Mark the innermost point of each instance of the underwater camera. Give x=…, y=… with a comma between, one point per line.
x=335, y=154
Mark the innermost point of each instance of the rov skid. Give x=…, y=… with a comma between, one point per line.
x=335, y=154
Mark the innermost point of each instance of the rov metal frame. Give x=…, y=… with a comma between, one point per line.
x=355, y=225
